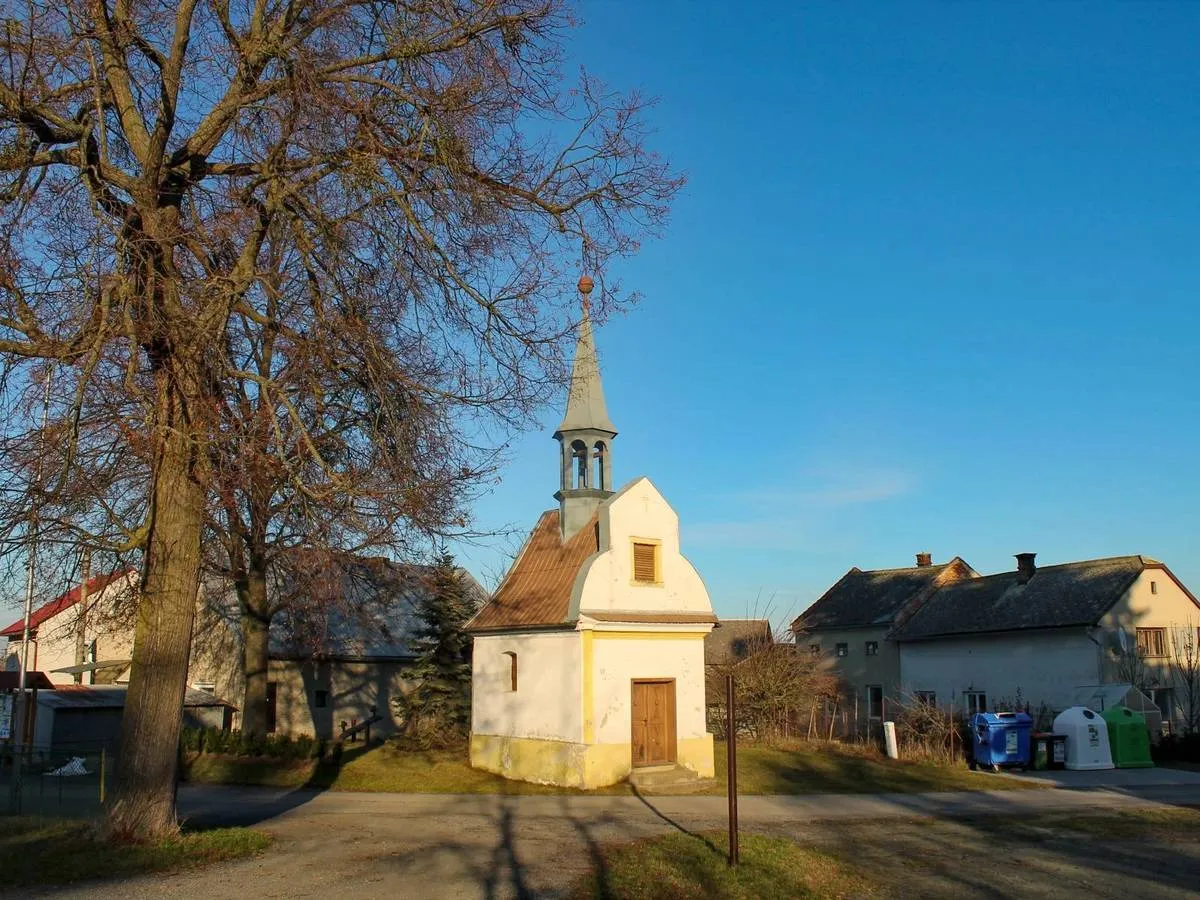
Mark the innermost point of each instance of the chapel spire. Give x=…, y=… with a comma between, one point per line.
x=585, y=434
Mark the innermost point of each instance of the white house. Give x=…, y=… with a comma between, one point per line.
x=86, y=626
x=589, y=659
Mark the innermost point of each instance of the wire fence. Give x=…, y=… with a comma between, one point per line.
x=64, y=781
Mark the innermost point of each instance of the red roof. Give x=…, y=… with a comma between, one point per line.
x=48, y=610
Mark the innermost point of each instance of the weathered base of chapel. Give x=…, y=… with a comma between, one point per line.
x=575, y=765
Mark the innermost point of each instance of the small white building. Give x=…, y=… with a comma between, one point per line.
x=589, y=659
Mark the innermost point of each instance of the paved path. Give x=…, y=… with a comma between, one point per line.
x=252, y=806
x=348, y=845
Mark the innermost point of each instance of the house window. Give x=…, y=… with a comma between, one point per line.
x=645, y=563
x=927, y=697
x=320, y=699
x=872, y=648
x=1154, y=587
x=512, y=669
x=814, y=649
x=976, y=702
x=1164, y=699
x=1151, y=642
x=875, y=701
x=842, y=649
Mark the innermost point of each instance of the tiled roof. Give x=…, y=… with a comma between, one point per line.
x=875, y=597
x=735, y=639
x=49, y=610
x=1076, y=593
x=537, y=589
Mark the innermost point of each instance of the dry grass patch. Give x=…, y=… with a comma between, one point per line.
x=45, y=851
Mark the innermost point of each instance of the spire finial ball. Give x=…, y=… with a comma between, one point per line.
x=585, y=285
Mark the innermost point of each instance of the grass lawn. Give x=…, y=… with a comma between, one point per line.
x=860, y=859
x=682, y=865
x=62, y=851
x=798, y=769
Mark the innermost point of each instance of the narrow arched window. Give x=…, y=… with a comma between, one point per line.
x=600, y=455
x=579, y=453
x=512, y=669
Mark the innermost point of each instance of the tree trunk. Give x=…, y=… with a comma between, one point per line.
x=143, y=805
x=256, y=625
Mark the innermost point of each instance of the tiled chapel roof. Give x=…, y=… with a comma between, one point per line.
x=536, y=592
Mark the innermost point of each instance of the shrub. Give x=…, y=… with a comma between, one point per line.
x=276, y=746
x=927, y=731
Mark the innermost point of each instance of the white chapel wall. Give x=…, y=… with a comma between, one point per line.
x=547, y=703
x=618, y=661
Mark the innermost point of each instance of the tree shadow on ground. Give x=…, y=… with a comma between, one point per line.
x=203, y=805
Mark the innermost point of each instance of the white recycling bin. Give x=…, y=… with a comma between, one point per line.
x=1087, y=738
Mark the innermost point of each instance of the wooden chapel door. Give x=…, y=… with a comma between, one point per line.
x=653, y=735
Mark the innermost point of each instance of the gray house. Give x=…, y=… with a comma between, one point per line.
x=849, y=624
x=1043, y=634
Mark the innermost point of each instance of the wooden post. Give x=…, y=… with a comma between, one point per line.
x=102, y=761
x=731, y=767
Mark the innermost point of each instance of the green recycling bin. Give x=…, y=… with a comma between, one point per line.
x=1129, y=738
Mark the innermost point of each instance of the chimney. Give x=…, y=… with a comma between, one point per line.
x=924, y=559
x=1025, y=567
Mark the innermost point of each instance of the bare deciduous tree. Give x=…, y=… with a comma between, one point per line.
x=386, y=189
x=1185, y=671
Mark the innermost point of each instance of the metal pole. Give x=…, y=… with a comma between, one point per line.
x=731, y=764
x=19, y=729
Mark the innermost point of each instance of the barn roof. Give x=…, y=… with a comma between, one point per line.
x=735, y=639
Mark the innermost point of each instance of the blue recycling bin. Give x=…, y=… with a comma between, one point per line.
x=1001, y=739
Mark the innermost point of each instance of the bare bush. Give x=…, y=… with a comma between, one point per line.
x=774, y=686
x=927, y=731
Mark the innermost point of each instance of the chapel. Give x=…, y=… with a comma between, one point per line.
x=588, y=661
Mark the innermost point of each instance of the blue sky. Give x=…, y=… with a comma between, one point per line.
x=932, y=286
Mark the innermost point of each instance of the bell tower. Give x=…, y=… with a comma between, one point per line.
x=586, y=434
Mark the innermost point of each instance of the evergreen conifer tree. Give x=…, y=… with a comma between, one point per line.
x=439, y=705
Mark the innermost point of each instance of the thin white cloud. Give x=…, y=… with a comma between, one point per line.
x=763, y=526
x=871, y=486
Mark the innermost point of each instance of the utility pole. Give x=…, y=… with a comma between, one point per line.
x=23, y=723
x=731, y=767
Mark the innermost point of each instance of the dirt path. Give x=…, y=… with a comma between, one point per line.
x=367, y=845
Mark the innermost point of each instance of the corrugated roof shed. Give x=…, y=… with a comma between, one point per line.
x=1076, y=593
x=113, y=697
